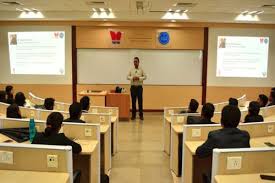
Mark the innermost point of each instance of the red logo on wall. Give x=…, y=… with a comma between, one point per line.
x=116, y=37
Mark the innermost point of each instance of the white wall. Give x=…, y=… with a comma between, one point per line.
x=212, y=80
x=6, y=77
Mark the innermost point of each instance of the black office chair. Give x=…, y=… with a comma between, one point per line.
x=206, y=177
x=76, y=176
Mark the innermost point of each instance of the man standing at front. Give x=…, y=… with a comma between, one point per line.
x=136, y=76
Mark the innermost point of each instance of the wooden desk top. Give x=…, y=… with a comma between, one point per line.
x=88, y=146
x=269, y=118
x=104, y=128
x=178, y=128
x=193, y=145
x=85, y=93
x=251, y=178
x=11, y=176
x=259, y=142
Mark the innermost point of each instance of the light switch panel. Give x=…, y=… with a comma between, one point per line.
x=6, y=157
x=196, y=132
x=234, y=163
x=88, y=132
x=52, y=161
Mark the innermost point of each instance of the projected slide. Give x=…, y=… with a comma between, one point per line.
x=34, y=53
x=242, y=56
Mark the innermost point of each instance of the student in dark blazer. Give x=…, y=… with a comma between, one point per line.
x=75, y=113
x=3, y=97
x=233, y=101
x=20, y=99
x=227, y=137
x=9, y=92
x=192, y=108
x=51, y=136
x=85, y=104
x=13, y=111
x=48, y=104
x=207, y=112
x=253, y=113
x=263, y=100
x=271, y=98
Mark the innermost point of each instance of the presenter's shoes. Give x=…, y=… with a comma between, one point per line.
x=133, y=118
x=141, y=118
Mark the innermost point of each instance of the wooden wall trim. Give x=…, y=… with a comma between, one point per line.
x=74, y=64
x=204, y=66
x=137, y=24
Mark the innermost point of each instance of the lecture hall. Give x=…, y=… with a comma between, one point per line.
x=137, y=91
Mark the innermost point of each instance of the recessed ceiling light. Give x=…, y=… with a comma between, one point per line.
x=173, y=20
x=31, y=14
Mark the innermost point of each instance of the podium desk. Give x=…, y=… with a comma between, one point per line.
x=98, y=98
x=122, y=101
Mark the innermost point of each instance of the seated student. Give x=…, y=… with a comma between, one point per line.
x=233, y=101
x=193, y=107
x=20, y=99
x=253, y=113
x=85, y=104
x=207, y=112
x=3, y=97
x=227, y=137
x=51, y=136
x=75, y=113
x=48, y=104
x=263, y=100
x=271, y=98
x=273, y=89
x=13, y=111
x=9, y=92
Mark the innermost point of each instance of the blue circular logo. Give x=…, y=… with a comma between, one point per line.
x=164, y=38
x=266, y=41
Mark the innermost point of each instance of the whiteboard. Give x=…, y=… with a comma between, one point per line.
x=163, y=67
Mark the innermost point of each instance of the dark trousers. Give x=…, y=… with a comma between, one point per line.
x=136, y=93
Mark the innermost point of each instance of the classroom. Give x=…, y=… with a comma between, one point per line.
x=140, y=91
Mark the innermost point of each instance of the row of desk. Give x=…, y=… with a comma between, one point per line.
x=87, y=161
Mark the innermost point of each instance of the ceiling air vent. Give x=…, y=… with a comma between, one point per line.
x=11, y=3
x=185, y=4
x=268, y=6
x=96, y=3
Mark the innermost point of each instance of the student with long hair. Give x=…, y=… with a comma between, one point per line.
x=13, y=111
x=51, y=135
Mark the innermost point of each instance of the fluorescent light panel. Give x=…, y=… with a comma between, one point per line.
x=175, y=15
x=104, y=13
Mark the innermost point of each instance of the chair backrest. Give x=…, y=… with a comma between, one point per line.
x=3, y=108
x=43, y=114
x=242, y=101
x=99, y=109
x=30, y=112
x=253, y=161
x=267, y=111
x=181, y=118
x=82, y=131
x=20, y=123
x=35, y=100
x=200, y=132
x=30, y=157
x=101, y=118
